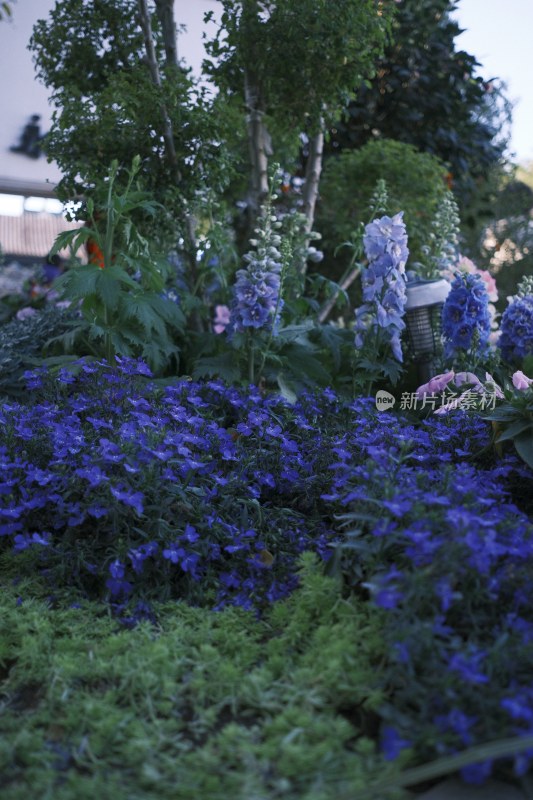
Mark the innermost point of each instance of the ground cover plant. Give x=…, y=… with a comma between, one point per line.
x=225, y=571
x=201, y=705
x=207, y=495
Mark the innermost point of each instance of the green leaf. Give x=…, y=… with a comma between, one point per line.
x=448, y=765
x=168, y=310
x=286, y=390
x=302, y=364
x=223, y=366
x=515, y=429
x=78, y=282
x=73, y=239
x=140, y=307
x=524, y=447
x=108, y=289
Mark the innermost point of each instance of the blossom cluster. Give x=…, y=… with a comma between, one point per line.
x=516, y=337
x=466, y=265
x=133, y=491
x=257, y=298
x=466, y=391
x=132, y=488
x=384, y=295
x=466, y=322
x=437, y=535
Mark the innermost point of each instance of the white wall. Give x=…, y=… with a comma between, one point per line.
x=21, y=95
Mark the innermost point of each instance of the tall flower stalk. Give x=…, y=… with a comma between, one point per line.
x=379, y=321
x=466, y=322
x=257, y=293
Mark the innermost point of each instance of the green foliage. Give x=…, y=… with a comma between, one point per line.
x=442, y=249
x=506, y=242
x=427, y=93
x=23, y=346
x=6, y=9
x=201, y=704
x=312, y=55
x=112, y=110
x=415, y=185
x=123, y=310
x=513, y=422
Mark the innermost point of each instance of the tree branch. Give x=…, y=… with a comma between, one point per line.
x=165, y=13
x=258, y=141
x=313, y=171
x=328, y=307
x=151, y=60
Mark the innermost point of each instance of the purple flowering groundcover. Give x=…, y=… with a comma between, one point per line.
x=121, y=489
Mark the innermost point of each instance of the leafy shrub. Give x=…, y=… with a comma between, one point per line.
x=415, y=185
x=22, y=343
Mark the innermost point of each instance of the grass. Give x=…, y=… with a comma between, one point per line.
x=201, y=705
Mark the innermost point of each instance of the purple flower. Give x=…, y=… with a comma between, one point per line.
x=383, y=283
x=436, y=385
x=466, y=322
x=129, y=498
x=392, y=743
x=468, y=666
x=257, y=299
x=516, y=325
x=521, y=381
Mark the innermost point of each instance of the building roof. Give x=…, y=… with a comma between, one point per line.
x=31, y=235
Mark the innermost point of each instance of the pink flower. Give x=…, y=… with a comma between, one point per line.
x=25, y=313
x=436, y=384
x=493, y=338
x=521, y=381
x=490, y=284
x=222, y=318
x=465, y=265
x=466, y=377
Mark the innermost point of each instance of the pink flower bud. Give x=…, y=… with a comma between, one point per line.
x=436, y=384
x=521, y=381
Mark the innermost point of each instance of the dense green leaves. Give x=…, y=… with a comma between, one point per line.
x=306, y=57
x=427, y=93
x=111, y=109
x=415, y=185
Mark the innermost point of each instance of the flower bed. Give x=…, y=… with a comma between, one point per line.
x=132, y=492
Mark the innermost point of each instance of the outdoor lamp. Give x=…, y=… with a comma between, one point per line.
x=423, y=310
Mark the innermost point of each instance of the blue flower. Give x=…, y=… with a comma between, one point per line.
x=465, y=316
x=468, y=666
x=383, y=283
x=257, y=301
x=392, y=743
x=516, y=338
x=129, y=498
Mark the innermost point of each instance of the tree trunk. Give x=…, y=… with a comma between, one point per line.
x=165, y=13
x=151, y=60
x=327, y=308
x=259, y=144
x=313, y=171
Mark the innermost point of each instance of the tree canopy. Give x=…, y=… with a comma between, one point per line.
x=426, y=92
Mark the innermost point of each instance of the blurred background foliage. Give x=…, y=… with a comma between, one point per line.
x=412, y=109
